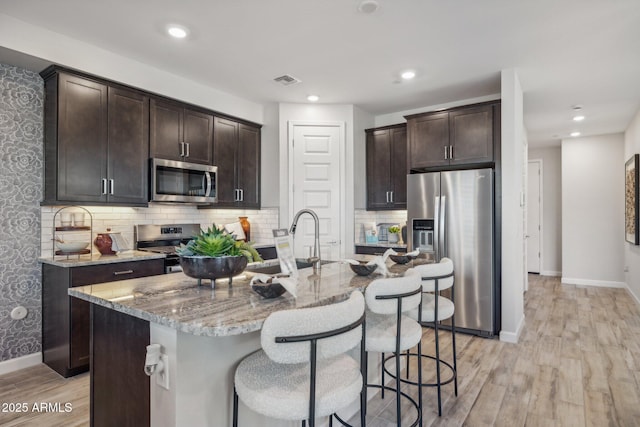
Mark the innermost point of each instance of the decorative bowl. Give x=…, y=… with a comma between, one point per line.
x=402, y=258
x=72, y=246
x=268, y=290
x=205, y=267
x=363, y=269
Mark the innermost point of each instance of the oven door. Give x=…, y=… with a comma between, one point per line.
x=182, y=182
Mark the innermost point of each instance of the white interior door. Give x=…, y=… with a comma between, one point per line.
x=316, y=181
x=534, y=189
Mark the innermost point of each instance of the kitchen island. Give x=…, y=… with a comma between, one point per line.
x=204, y=332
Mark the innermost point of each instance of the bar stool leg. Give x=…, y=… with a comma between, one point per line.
x=438, y=367
x=420, y=380
x=382, y=380
x=455, y=362
x=407, y=367
x=235, y=408
x=398, y=410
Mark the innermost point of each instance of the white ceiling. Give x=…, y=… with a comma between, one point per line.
x=566, y=52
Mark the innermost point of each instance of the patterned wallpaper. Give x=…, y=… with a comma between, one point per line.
x=21, y=166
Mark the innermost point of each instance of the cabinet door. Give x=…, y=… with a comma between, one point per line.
x=225, y=139
x=166, y=130
x=82, y=140
x=378, y=171
x=428, y=140
x=472, y=135
x=399, y=168
x=198, y=134
x=248, y=167
x=128, y=164
x=80, y=332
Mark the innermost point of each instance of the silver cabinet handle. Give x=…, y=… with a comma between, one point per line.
x=112, y=187
x=119, y=273
x=445, y=153
x=207, y=190
x=451, y=152
x=188, y=144
x=236, y=197
x=104, y=186
x=182, y=149
x=391, y=192
x=387, y=197
x=241, y=195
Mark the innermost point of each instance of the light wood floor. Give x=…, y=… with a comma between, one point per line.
x=577, y=364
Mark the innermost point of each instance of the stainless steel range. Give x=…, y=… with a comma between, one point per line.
x=163, y=239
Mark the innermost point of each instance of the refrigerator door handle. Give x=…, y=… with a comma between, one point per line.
x=442, y=242
x=436, y=245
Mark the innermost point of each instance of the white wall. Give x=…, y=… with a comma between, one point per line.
x=57, y=48
x=632, y=252
x=513, y=266
x=593, y=210
x=361, y=121
x=551, y=208
x=270, y=162
x=315, y=113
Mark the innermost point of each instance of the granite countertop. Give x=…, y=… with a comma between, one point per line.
x=176, y=301
x=97, y=259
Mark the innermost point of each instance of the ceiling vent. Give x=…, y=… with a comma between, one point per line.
x=286, y=80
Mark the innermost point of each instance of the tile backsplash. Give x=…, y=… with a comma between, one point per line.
x=122, y=219
x=362, y=217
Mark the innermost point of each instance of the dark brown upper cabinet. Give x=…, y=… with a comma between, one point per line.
x=96, y=141
x=180, y=133
x=387, y=168
x=236, y=153
x=457, y=137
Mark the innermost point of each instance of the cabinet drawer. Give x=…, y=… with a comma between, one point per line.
x=92, y=274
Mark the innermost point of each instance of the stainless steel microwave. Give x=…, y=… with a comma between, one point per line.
x=182, y=182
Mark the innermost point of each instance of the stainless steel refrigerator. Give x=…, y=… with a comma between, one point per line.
x=451, y=214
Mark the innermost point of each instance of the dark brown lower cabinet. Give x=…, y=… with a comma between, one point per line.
x=120, y=390
x=65, y=320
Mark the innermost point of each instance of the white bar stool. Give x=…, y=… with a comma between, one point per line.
x=302, y=371
x=436, y=277
x=388, y=329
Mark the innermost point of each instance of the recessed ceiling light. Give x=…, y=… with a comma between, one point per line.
x=578, y=118
x=408, y=75
x=368, y=6
x=313, y=98
x=574, y=134
x=177, y=31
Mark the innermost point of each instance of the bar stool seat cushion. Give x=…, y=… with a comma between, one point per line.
x=282, y=390
x=446, y=308
x=381, y=333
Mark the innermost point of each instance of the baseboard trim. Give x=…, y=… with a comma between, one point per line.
x=512, y=337
x=634, y=296
x=22, y=362
x=589, y=282
x=551, y=273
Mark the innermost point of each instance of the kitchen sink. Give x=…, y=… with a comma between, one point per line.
x=274, y=268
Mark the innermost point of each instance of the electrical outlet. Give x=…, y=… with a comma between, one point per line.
x=162, y=377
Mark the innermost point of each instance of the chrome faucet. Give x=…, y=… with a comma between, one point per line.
x=315, y=259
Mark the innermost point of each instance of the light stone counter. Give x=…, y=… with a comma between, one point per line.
x=97, y=259
x=176, y=301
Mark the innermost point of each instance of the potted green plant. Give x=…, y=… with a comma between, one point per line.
x=393, y=234
x=214, y=254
